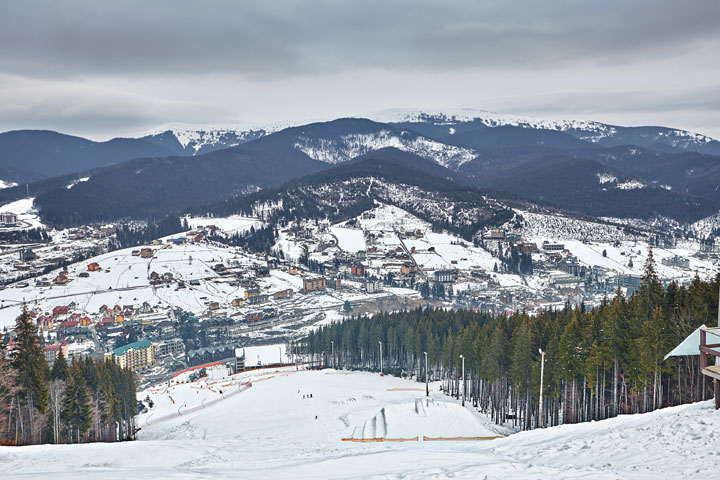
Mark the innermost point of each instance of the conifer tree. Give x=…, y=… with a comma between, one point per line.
x=8, y=388
x=60, y=368
x=76, y=406
x=29, y=362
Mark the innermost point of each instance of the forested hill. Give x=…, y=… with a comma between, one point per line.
x=599, y=363
x=152, y=187
x=389, y=175
x=46, y=154
x=554, y=165
x=587, y=186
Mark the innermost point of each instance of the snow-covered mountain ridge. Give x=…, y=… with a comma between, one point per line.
x=203, y=138
x=587, y=130
x=347, y=147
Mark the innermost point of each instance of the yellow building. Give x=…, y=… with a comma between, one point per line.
x=135, y=355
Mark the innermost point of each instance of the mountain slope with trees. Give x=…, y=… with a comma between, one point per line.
x=152, y=187
x=391, y=176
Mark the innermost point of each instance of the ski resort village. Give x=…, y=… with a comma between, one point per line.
x=231, y=328
x=188, y=297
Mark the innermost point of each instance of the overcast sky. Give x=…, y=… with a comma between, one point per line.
x=102, y=69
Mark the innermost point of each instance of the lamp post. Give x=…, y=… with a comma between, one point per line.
x=427, y=388
x=381, y=365
x=463, y=379
x=280, y=354
x=332, y=352
x=542, y=372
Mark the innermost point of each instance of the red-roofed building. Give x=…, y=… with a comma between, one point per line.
x=68, y=324
x=60, y=310
x=106, y=321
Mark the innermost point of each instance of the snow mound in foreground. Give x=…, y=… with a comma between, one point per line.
x=424, y=417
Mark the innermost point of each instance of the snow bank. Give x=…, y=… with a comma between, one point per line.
x=288, y=425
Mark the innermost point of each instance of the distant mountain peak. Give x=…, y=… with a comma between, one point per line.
x=588, y=130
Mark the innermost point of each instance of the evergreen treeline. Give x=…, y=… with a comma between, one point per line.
x=81, y=401
x=571, y=183
x=31, y=235
x=260, y=240
x=599, y=363
x=147, y=188
x=346, y=191
x=130, y=235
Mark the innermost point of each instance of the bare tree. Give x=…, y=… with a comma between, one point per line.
x=57, y=392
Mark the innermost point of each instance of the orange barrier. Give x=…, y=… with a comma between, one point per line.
x=362, y=440
x=401, y=439
x=199, y=367
x=457, y=439
x=172, y=399
x=379, y=439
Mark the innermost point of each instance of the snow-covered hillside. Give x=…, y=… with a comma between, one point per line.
x=6, y=184
x=539, y=225
x=289, y=424
x=347, y=147
x=705, y=227
x=203, y=139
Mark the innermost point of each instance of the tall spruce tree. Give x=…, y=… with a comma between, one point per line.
x=60, y=368
x=76, y=406
x=28, y=359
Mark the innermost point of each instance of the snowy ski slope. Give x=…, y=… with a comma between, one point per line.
x=270, y=431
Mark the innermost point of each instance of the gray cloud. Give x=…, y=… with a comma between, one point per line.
x=292, y=37
x=98, y=66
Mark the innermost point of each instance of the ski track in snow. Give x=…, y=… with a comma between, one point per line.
x=269, y=431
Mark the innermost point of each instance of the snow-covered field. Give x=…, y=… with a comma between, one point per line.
x=231, y=225
x=618, y=258
x=25, y=211
x=349, y=239
x=123, y=279
x=275, y=429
